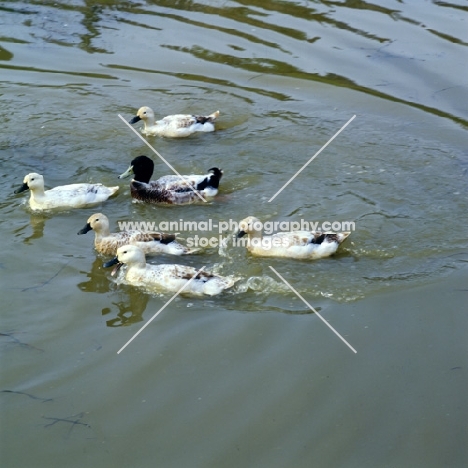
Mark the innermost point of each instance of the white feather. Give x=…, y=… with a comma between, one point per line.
x=174, y=126
x=309, y=245
x=64, y=196
x=168, y=277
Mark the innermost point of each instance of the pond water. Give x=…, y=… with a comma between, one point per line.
x=251, y=377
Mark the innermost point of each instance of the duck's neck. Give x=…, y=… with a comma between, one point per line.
x=255, y=234
x=37, y=194
x=140, y=177
x=135, y=267
x=149, y=122
x=136, y=272
x=103, y=232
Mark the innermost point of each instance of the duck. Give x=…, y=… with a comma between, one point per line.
x=170, y=189
x=107, y=243
x=174, y=126
x=63, y=196
x=308, y=245
x=167, y=277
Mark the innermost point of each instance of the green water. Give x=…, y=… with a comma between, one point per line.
x=252, y=377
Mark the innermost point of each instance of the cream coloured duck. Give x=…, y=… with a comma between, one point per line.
x=175, y=126
x=151, y=243
x=309, y=245
x=63, y=196
x=170, y=189
x=166, y=277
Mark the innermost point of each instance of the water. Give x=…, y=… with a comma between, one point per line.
x=253, y=377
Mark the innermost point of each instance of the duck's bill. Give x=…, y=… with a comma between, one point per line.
x=134, y=120
x=127, y=173
x=86, y=229
x=241, y=234
x=114, y=261
x=23, y=188
x=116, y=269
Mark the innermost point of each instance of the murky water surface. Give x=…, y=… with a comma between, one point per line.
x=252, y=377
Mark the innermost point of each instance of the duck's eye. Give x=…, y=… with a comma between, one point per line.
x=144, y=113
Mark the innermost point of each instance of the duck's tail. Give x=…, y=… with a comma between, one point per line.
x=113, y=190
x=342, y=236
x=211, y=180
x=214, y=178
x=337, y=237
x=192, y=251
x=207, y=118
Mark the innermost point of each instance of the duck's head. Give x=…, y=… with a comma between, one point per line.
x=32, y=182
x=249, y=225
x=97, y=222
x=126, y=255
x=142, y=169
x=144, y=113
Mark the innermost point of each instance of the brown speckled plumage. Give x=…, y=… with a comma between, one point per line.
x=170, y=189
x=107, y=243
x=203, y=275
x=148, y=193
